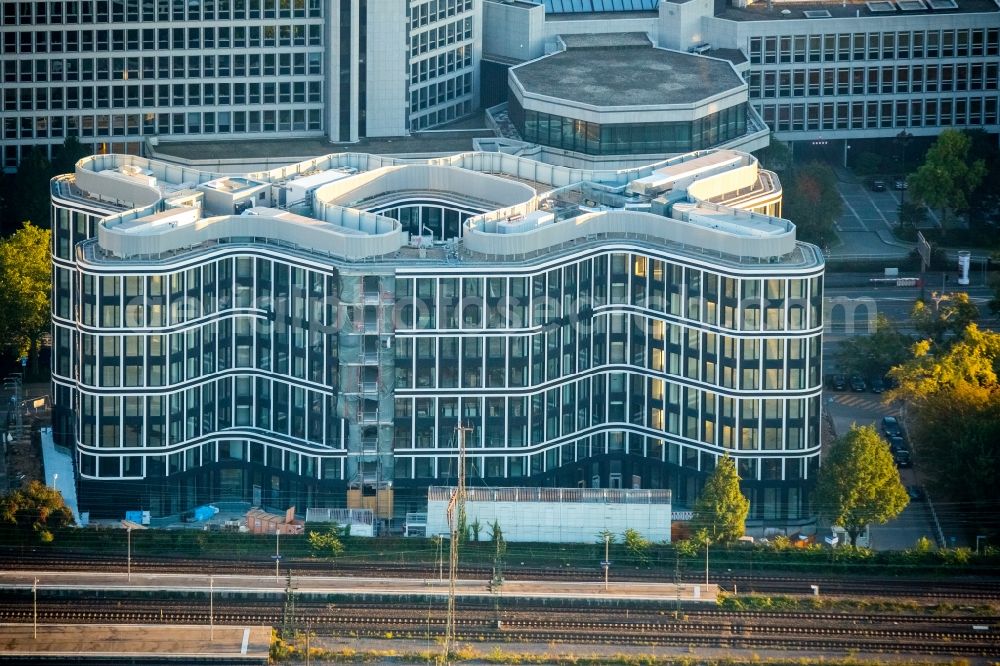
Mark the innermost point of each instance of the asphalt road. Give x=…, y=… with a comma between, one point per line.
x=852, y=302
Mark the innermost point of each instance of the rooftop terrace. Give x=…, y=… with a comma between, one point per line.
x=529, y=208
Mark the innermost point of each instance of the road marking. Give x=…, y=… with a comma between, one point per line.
x=854, y=212
x=246, y=641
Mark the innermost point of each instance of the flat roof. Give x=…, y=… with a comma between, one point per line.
x=626, y=76
x=224, y=149
x=765, y=11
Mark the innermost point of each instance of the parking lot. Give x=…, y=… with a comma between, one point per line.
x=865, y=408
x=865, y=225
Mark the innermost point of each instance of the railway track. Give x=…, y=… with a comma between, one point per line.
x=807, y=631
x=984, y=590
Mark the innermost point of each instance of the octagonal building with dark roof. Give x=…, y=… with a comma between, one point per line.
x=619, y=95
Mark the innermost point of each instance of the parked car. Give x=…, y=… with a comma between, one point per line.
x=877, y=186
x=902, y=458
x=899, y=183
x=858, y=383
x=897, y=443
x=877, y=385
x=838, y=383
x=890, y=426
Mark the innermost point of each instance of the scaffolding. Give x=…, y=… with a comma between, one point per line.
x=367, y=381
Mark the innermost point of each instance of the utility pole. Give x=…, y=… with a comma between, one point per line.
x=129, y=538
x=455, y=506
x=211, y=608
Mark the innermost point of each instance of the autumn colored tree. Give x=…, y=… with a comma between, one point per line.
x=34, y=511
x=26, y=276
x=858, y=482
x=721, y=510
x=327, y=543
x=943, y=314
x=952, y=396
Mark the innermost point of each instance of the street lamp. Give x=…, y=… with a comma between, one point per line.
x=706, y=560
x=55, y=477
x=34, y=609
x=606, y=564
x=277, y=553
x=211, y=608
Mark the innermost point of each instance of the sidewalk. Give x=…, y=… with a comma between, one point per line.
x=59, y=471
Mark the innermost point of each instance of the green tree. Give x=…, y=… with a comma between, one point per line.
x=858, y=482
x=34, y=511
x=875, y=354
x=912, y=215
x=636, y=545
x=499, y=551
x=67, y=155
x=721, y=509
x=326, y=543
x=944, y=314
x=947, y=176
x=26, y=276
x=605, y=535
x=812, y=202
x=869, y=163
x=31, y=189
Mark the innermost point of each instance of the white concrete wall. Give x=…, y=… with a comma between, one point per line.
x=480, y=233
x=680, y=23
x=513, y=31
x=386, y=60
x=348, y=234
x=555, y=522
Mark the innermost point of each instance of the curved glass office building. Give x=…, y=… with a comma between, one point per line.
x=283, y=337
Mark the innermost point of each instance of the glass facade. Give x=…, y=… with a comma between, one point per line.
x=628, y=138
x=244, y=367
x=623, y=353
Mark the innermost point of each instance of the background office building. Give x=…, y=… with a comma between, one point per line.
x=284, y=337
x=120, y=72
